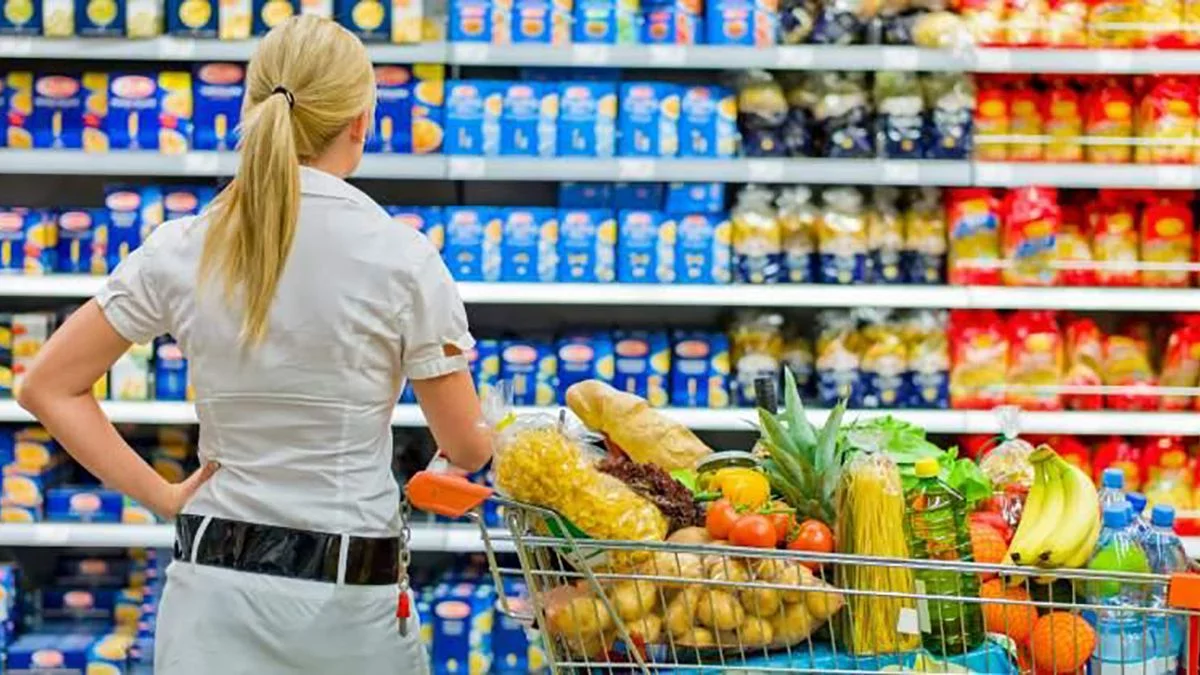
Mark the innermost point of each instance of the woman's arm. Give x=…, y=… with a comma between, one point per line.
x=451, y=409
x=58, y=391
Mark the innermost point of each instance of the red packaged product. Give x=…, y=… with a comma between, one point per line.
x=1108, y=113
x=1181, y=363
x=1168, y=234
x=973, y=229
x=1027, y=117
x=1166, y=114
x=1035, y=360
x=1127, y=364
x=974, y=446
x=1112, y=220
x=1119, y=453
x=1162, y=452
x=1031, y=219
x=979, y=359
x=1073, y=450
x=1085, y=356
x=992, y=118
x=1064, y=122
x=1074, y=248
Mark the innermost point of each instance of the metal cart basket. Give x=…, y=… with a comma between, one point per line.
x=620, y=606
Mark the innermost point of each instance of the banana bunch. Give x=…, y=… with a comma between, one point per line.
x=1061, y=520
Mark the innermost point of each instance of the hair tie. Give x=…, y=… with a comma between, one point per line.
x=291, y=100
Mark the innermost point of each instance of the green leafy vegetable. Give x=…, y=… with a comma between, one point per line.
x=906, y=443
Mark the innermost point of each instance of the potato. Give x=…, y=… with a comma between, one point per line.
x=681, y=613
x=633, y=599
x=760, y=601
x=588, y=646
x=755, y=633
x=581, y=615
x=798, y=576
x=719, y=610
x=677, y=565
x=823, y=604
x=720, y=568
x=690, y=536
x=696, y=637
x=648, y=627
x=793, y=625
x=769, y=569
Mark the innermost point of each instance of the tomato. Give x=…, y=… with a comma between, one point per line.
x=783, y=523
x=813, y=536
x=720, y=518
x=753, y=531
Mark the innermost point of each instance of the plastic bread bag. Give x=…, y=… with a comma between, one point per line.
x=838, y=359
x=757, y=237
x=884, y=361
x=1007, y=465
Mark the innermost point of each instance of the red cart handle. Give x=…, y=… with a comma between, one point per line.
x=445, y=494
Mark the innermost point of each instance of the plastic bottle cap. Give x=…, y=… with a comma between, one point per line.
x=927, y=467
x=1116, y=515
x=1137, y=500
x=1163, y=515
x=1113, y=478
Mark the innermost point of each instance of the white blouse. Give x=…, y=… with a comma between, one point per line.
x=301, y=424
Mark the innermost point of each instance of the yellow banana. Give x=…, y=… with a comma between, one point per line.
x=1083, y=554
x=1043, y=510
x=1080, y=517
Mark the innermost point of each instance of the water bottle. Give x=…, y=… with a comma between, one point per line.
x=938, y=530
x=1141, y=526
x=1123, y=642
x=1112, y=488
x=1165, y=553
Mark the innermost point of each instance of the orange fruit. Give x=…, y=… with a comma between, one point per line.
x=1061, y=643
x=1015, y=621
x=987, y=546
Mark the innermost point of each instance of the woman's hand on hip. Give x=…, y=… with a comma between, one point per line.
x=179, y=494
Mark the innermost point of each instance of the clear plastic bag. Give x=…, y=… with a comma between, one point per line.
x=1008, y=467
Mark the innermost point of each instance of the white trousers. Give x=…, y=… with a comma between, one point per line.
x=218, y=621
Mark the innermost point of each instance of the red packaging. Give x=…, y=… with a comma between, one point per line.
x=974, y=446
x=973, y=227
x=1108, y=113
x=1119, y=453
x=1027, y=117
x=992, y=118
x=1074, y=248
x=1181, y=363
x=1035, y=360
x=1112, y=219
x=1085, y=356
x=1073, y=450
x=1161, y=452
x=1031, y=219
x=1127, y=364
x=979, y=359
x=1167, y=233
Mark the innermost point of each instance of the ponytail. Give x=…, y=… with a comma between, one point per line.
x=252, y=223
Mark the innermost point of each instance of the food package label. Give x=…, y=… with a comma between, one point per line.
x=462, y=629
x=530, y=367
x=529, y=245
x=83, y=505
x=587, y=246
x=740, y=22
x=606, y=22
x=143, y=19
x=646, y=247
x=60, y=17
x=20, y=17
x=585, y=195
x=584, y=357
x=708, y=123
x=93, y=18
x=694, y=198
x=648, y=196
x=133, y=212
x=129, y=378
x=78, y=251
x=484, y=360
x=27, y=241
x=528, y=119
x=648, y=120
x=473, y=236
x=587, y=119
x=666, y=25
x=170, y=371
x=195, y=18
x=270, y=13
x=643, y=364
x=219, y=90
x=37, y=652
x=370, y=20
x=539, y=22
x=149, y=112
x=57, y=115
x=6, y=372
x=479, y=21
x=700, y=370
x=17, y=119
x=428, y=220
x=182, y=201
x=473, y=118
x=408, y=113
x=703, y=250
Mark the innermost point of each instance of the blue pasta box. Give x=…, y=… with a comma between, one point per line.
x=585, y=195
x=540, y=22
x=110, y=654
x=584, y=357
x=473, y=236
x=91, y=19
x=741, y=22
x=78, y=603
x=35, y=448
x=408, y=110
x=646, y=196
x=24, y=486
x=428, y=220
x=195, y=19
x=695, y=198
x=271, y=13
x=4, y=94
x=219, y=90
x=21, y=17
x=181, y=201
x=370, y=20
x=528, y=119
x=462, y=629
x=530, y=367
x=9, y=585
x=485, y=365
x=700, y=369
x=648, y=120
x=27, y=241
x=8, y=453
x=83, y=505
x=510, y=638
x=606, y=22
x=78, y=250
x=17, y=117
x=529, y=245
x=703, y=254
x=587, y=119
x=133, y=513
x=480, y=21
x=671, y=26
x=645, y=247
x=170, y=371
x=473, y=109
x=46, y=652
x=643, y=364
x=92, y=571
x=61, y=106
x=149, y=112
x=133, y=212
x=587, y=246
x=708, y=122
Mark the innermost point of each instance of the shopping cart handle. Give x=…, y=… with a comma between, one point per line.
x=445, y=494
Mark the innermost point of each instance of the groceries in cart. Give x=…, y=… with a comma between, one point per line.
x=853, y=545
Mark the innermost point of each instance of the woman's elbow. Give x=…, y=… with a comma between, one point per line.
x=32, y=396
x=474, y=459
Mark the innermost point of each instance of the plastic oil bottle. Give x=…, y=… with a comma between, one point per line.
x=938, y=530
x=1123, y=643
x=1166, y=555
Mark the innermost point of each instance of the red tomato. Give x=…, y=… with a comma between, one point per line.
x=753, y=531
x=720, y=519
x=814, y=536
x=783, y=523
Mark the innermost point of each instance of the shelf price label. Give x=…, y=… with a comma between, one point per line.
x=1173, y=176
x=176, y=49
x=993, y=175
x=764, y=170
x=795, y=57
x=900, y=172
x=201, y=164
x=469, y=52
x=667, y=55
x=900, y=58
x=1114, y=61
x=47, y=533
x=466, y=168
x=635, y=169
x=16, y=46
x=993, y=60
x=590, y=55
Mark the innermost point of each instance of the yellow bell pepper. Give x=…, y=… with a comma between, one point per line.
x=743, y=487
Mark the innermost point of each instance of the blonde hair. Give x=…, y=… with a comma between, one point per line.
x=308, y=79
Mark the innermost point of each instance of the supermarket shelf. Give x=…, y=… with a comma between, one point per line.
x=185, y=49
x=787, y=295
x=427, y=537
x=196, y=163
x=1007, y=174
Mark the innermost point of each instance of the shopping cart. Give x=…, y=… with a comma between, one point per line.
x=619, y=606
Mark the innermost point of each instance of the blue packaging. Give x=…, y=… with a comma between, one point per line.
x=59, y=102
x=607, y=22
x=529, y=245
x=428, y=220
x=485, y=365
x=60, y=654
x=647, y=196
x=133, y=212
x=479, y=21
x=270, y=13
x=219, y=89
x=700, y=369
x=83, y=505
x=703, y=254
x=473, y=235
x=671, y=26
x=16, y=117
x=587, y=246
x=170, y=371
x=110, y=653
x=708, y=122
x=531, y=369
x=643, y=364
x=28, y=239
x=21, y=18
x=529, y=119
x=4, y=112
x=645, y=248
x=108, y=23
x=92, y=571
x=587, y=119
x=510, y=638
x=740, y=22
x=585, y=195
x=584, y=357
x=648, y=120
x=182, y=201
x=149, y=111
x=78, y=251
x=408, y=109
x=462, y=629
x=540, y=22
x=193, y=18
x=370, y=20
x=695, y=198
x=78, y=604
x=473, y=111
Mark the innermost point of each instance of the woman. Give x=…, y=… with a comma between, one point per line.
x=303, y=309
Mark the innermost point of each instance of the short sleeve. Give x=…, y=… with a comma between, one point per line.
x=130, y=298
x=435, y=320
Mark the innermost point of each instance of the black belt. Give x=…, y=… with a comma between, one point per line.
x=286, y=552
